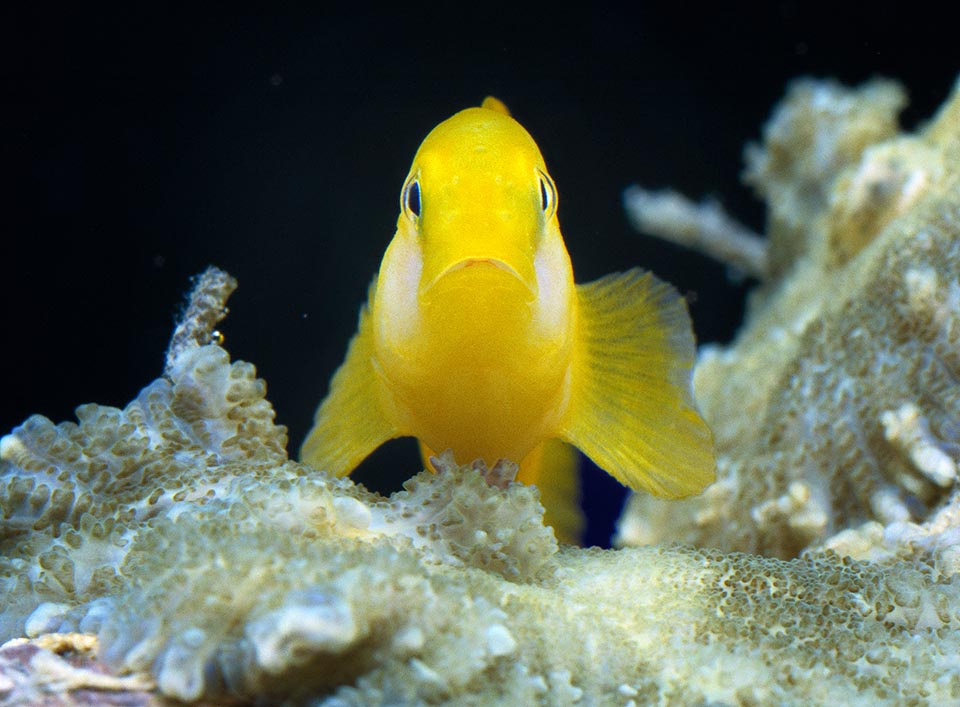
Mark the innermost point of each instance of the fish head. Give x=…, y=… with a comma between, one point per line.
x=478, y=213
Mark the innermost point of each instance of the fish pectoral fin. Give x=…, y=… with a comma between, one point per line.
x=631, y=407
x=351, y=421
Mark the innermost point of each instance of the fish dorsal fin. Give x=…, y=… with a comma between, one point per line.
x=491, y=103
x=631, y=408
x=351, y=422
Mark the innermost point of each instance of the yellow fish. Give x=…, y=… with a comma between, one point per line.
x=476, y=339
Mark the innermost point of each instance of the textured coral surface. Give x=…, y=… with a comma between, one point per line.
x=839, y=403
x=233, y=572
x=177, y=540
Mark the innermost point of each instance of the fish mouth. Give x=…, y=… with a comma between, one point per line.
x=481, y=266
x=481, y=263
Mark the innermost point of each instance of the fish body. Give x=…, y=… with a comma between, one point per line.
x=476, y=339
x=473, y=309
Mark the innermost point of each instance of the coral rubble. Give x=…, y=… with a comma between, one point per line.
x=838, y=403
x=211, y=567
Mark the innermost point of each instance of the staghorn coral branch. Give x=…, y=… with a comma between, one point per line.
x=704, y=227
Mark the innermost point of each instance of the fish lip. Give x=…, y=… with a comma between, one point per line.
x=479, y=262
x=474, y=262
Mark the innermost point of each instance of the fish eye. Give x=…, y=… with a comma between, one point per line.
x=548, y=194
x=410, y=200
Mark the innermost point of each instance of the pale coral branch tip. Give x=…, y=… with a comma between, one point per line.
x=704, y=227
x=206, y=307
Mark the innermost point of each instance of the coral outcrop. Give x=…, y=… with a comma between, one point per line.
x=175, y=545
x=838, y=404
x=236, y=573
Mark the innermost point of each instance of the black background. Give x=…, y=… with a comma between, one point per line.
x=141, y=143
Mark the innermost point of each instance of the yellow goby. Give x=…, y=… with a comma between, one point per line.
x=476, y=339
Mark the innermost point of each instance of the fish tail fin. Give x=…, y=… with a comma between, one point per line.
x=553, y=466
x=351, y=421
x=631, y=405
x=496, y=104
